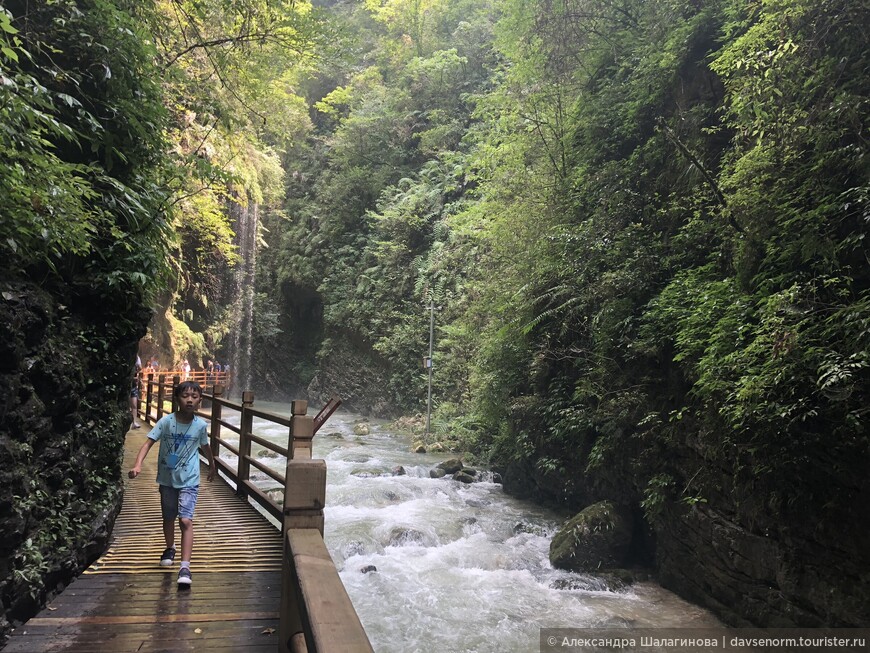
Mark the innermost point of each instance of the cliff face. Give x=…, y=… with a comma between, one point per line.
x=750, y=561
x=65, y=363
x=782, y=578
x=755, y=561
x=355, y=375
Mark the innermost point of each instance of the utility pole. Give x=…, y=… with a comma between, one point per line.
x=429, y=362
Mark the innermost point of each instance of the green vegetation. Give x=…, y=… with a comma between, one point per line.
x=643, y=222
x=640, y=221
x=82, y=142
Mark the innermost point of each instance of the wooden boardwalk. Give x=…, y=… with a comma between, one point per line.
x=126, y=602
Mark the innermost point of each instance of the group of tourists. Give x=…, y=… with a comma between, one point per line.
x=183, y=366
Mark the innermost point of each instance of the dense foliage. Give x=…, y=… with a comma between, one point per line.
x=82, y=144
x=641, y=223
x=82, y=240
x=120, y=158
x=644, y=227
x=638, y=220
x=227, y=72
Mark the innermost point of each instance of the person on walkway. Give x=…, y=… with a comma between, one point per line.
x=181, y=434
x=134, y=394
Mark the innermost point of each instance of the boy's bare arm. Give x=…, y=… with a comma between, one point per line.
x=140, y=457
x=212, y=469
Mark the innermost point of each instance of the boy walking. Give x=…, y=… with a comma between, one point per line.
x=181, y=435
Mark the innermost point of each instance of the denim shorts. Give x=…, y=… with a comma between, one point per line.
x=178, y=501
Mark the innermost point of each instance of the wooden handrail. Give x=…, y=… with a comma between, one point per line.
x=325, y=412
x=203, y=377
x=328, y=621
x=317, y=615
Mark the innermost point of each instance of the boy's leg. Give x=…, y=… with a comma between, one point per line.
x=169, y=510
x=134, y=408
x=186, y=525
x=186, y=505
x=169, y=533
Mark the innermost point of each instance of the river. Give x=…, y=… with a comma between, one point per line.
x=436, y=565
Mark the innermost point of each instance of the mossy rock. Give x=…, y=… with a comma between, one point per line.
x=599, y=537
x=451, y=466
x=361, y=429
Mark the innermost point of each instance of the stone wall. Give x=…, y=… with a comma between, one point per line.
x=66, y=356
x=777, y=572
x=751, y=563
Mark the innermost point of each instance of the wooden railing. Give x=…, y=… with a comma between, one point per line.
x=316, y=614
x=203, y=377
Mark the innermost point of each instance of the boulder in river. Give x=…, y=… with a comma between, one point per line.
x=599, y=537
x=401, y=536
x=451, y=466
x=362, y=428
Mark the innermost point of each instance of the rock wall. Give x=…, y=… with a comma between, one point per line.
x=780, y=571
x=358, y=379
x=751, y=563
x=66, y=357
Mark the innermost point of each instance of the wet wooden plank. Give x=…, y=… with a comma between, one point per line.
x=127, y=602
x=195, y=635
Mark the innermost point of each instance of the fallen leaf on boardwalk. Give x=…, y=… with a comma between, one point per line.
x=268, y=631
x=198, y=631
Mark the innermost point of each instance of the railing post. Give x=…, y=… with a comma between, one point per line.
x=246, y=425
x=305, y=479
x=175, y=381
x=149, y=388
x=215, y=433
x=291, y=634
x=301, y=430
x=161, y=380
x=304, y=498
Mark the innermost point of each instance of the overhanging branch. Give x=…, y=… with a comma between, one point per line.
x=671, y=136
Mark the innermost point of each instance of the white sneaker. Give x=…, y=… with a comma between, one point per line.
x=184, y=577
x=167, y=558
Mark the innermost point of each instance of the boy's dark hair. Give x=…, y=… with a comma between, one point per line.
x=186, y=385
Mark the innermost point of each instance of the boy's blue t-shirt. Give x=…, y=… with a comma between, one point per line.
x=178, y=459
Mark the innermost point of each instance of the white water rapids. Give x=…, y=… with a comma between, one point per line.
x=460, y=568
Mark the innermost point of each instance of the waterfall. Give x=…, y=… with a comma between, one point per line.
x=245, y=220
